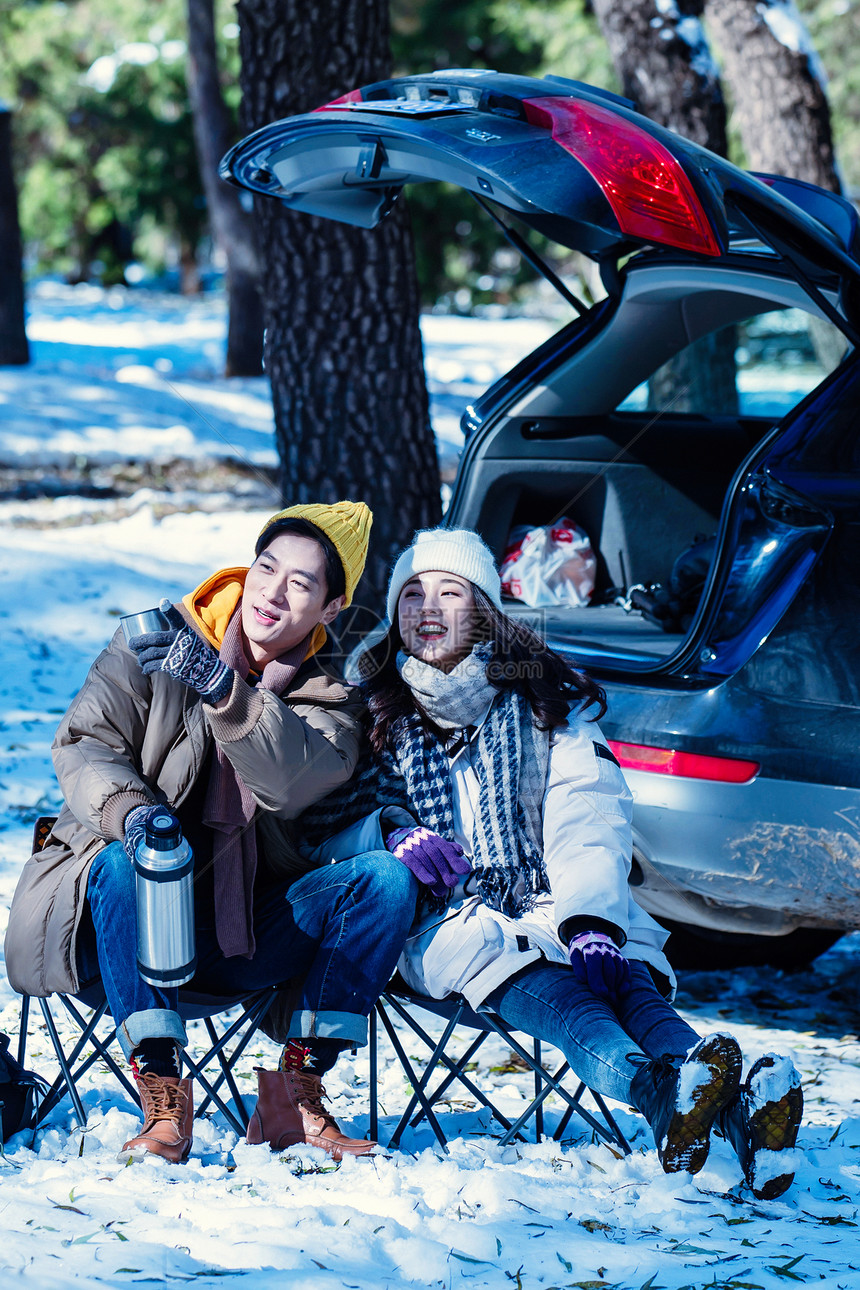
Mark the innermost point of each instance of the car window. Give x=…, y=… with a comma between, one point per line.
x=762, y=366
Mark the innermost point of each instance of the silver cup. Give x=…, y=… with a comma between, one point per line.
x=148, y=620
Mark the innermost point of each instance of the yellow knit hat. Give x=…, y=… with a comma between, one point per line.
x=345, y=524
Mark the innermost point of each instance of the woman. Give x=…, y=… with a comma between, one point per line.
x=489, y=739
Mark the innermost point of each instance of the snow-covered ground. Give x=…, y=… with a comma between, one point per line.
x=116, y=376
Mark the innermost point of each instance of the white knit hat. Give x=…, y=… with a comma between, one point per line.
x=458, y=551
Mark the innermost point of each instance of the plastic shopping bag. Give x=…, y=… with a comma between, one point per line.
x=553, y=565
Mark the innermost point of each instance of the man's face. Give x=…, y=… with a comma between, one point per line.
x=285, y=597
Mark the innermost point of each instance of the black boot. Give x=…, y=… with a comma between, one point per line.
x=763, y=1119
x=681, y=1097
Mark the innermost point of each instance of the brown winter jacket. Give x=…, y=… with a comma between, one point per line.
x=130, y=739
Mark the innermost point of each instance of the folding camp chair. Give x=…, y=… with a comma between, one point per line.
x=88, y=1009
x=402, y=1002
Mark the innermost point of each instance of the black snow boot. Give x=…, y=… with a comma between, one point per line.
x=681, y=1097
x=763, y=1120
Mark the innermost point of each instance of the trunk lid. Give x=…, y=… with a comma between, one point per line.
x=575, y=163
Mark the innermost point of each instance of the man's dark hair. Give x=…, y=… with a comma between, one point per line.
x=335, y=578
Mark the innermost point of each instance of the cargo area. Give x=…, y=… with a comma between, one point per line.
x=643, y=490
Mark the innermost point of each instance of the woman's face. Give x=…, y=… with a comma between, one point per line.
x=437, y=618
x=285, y=597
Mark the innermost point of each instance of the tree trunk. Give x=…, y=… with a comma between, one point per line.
x=232, y=226
x=189, y=269
x=780, y=103
x=14, y=349
x=343, y=344
x=662, y=58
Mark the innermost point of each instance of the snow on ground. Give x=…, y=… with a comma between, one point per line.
x=555, y=1214
x=109, y=381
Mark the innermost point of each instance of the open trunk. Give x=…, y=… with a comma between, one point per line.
x=585, y=429
x=597, y=425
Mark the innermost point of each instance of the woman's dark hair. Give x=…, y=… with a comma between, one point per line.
x=521, y=661
x=335, y=578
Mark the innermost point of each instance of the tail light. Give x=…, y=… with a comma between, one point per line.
x=354, y=96
x=650, y=195
x=669, y=761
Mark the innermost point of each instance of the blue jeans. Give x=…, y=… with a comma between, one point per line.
x=339, y=928
x=605, y=1043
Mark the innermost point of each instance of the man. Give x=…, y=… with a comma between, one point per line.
x=229, y=719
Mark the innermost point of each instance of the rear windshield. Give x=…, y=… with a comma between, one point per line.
x=762, y=366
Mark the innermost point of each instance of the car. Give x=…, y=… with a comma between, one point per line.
x=710, y=397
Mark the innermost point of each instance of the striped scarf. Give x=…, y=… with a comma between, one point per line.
x=511, y=766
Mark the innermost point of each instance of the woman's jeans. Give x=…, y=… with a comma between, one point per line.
x=339, y=929
x=605, y=1043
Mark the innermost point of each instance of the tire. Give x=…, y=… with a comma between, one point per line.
x=701, y=948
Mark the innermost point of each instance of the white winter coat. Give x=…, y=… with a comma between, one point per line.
x=470, y=949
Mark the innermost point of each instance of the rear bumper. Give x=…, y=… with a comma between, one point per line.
x=761, y=858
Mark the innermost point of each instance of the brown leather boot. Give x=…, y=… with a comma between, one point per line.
x=168, y=1115
x=290, y=1111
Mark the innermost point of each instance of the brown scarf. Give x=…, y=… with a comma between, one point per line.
x=230, y=808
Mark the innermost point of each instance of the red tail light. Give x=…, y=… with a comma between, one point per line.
x=354, y=96
x=650, y=195
x=669, y=761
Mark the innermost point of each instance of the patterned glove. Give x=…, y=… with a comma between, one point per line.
x=598, y=963
x=180, y=652
x=435, y=861
x=134, y=826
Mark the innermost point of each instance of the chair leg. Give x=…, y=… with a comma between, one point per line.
x=101, y=1046
x=453, y=1074
x=611, y=1121
x=250, y=1020
x=538, y=1082
x=252, y=1014
x=22, y=1030
x=621, y=1141
x=438, y=1055
x=213, y=1096
x=373, y=1058
x=73, y=1066
x=417, y=1085
x=609, y=1134
x=87, y=1035
x=567, y=1116
x=71, y=1087
x=227, y=1073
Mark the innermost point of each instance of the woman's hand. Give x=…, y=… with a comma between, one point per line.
x=181, y=653
x=435, y=861
x=598, y=963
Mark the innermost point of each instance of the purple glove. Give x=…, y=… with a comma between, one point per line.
x=598, y=963
x=182, y=653
x=134, y=826
x=435, y=861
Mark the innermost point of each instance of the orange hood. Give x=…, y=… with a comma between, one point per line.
x=212, y=604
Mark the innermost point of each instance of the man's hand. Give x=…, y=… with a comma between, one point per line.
x=435, y=861
x=181, y=653
x=134, y=826
x=598, y=963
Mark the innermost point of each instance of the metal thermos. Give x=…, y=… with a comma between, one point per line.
x=148, y=620
x=164, y=879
